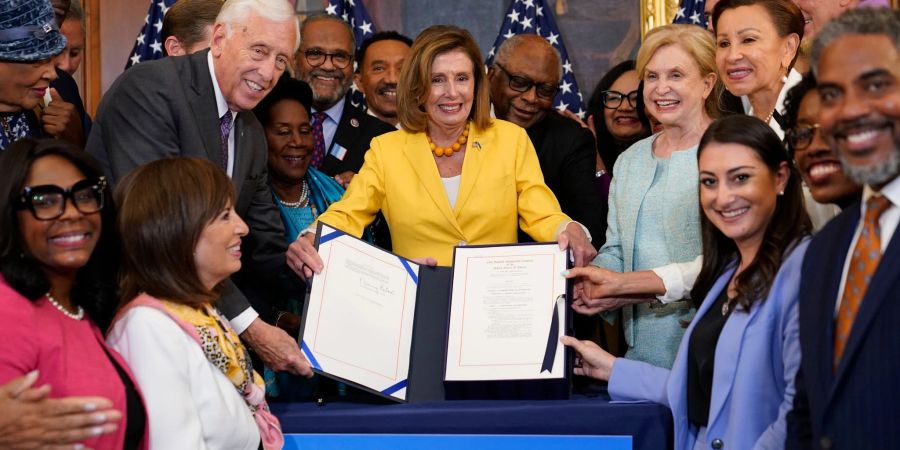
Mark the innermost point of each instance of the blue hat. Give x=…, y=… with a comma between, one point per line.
x=28, y=31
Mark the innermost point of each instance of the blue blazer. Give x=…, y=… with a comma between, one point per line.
x=757, y=357
x=859, y=405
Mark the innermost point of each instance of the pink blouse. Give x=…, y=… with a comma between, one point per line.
x=69, y=354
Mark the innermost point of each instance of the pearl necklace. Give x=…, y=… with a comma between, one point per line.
x=304, y=197
x=78, y=315
x=448, y=151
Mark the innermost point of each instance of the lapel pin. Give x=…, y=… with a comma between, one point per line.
x=477, y=145
x=354, y=123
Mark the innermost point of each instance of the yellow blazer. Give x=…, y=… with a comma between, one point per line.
x=501, y=188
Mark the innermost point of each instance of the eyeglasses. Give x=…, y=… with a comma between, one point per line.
x=316, y=58
x=545, y=91
x=801, y=136
x=614, y=99
x=48, y=202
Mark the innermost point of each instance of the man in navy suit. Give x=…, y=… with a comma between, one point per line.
x=848, y=394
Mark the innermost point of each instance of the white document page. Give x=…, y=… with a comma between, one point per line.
x=359, y=319
x=502, y=308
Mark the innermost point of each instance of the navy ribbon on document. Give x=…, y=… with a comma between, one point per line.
x=553, y=338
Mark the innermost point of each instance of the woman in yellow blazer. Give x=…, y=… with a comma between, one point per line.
x=452, y=175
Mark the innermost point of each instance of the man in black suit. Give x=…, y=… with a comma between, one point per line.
x=847, y=391
x=199, y=105
x=325, y=61
x=524, y=78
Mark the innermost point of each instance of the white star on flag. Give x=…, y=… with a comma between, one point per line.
x=366, y=27
x=691, y=12
x=553, y=38
x=526, y=23
x=362, y=25
x=148, y=44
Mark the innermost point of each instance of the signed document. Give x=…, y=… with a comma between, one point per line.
x=507, y=313
x=358, y=318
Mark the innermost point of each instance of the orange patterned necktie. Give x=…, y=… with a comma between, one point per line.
x=863, y=263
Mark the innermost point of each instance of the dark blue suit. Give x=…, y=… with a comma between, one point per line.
x=858, y=406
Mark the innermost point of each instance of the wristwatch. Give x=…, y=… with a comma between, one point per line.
x=599, y=173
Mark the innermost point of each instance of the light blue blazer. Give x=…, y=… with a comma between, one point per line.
x=757, y=356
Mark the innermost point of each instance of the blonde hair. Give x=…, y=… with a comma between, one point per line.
x=696, y=42
x=415, y=77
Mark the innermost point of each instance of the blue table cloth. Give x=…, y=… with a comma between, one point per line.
x=650, y=425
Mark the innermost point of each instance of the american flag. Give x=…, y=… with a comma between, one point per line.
x=148, y=44
x=354, y=12
x=535, y=17
x=691, y=12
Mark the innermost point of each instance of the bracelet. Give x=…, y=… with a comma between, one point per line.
x=599, y=173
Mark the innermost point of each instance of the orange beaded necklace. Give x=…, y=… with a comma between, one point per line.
x=448, y=151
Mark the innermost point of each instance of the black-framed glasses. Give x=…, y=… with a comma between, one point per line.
x=613, y=99
x=48, y=201
x=316, y=57
x=518, y=83
x=801, y=136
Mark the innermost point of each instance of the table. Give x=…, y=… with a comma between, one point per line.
x=650, y=425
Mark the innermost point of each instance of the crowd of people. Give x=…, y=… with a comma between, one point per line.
x=729, y=202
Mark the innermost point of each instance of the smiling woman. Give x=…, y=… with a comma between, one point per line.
x=731, y=383
x=452, y=175
x=653, y=212
x=58, y=268
x=757, y=44
x=184, y=240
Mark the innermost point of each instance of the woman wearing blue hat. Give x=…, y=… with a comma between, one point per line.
x=29, y=39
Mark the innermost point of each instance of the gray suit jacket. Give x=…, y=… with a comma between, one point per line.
x=167, y=108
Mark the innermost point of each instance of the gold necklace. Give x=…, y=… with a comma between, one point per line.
x=448, y=151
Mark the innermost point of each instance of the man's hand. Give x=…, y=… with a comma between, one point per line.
x=31, y=420
x=344, y=178
x=278, y=350
x=303, y=258
x=60, y=120
x=573, y=237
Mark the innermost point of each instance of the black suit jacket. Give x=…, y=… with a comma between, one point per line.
x=167, y=108
x=857, y=407
x=567, y=155
x=355, y=132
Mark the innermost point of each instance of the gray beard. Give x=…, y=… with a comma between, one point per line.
x=873, y=174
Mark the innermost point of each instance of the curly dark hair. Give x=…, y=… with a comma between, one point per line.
x=96, y=283
x=788, y=225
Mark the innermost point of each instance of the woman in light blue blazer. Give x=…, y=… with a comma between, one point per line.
x=653, y=215
x=732, y=381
